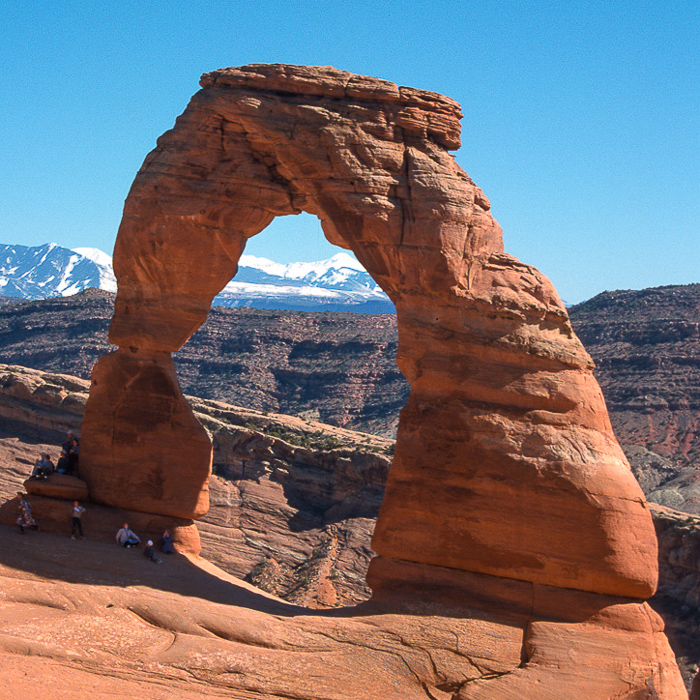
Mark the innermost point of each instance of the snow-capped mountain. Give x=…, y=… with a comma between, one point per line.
x=49, y=270
x=337, y=284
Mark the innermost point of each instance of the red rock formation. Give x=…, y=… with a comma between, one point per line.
x=506, y=465
x=147, y=451
x=69, y=488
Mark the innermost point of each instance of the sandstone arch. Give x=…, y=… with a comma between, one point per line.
x=506, y=465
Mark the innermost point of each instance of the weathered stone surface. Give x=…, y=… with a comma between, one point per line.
x=275, y=529
x=506, y=464
x=591, y=645
x=118, y=625
x=144, y=449
x=45, y=401
x=501, y=388
x=68, y=488
x=646, y=345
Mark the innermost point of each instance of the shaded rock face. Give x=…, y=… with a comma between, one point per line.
x=150, y=429
x=678, y=596
x=506, y=466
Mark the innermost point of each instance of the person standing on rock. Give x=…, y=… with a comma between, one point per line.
x=69, y=441
x=76, y=521
x=74, y=456
x=25, y=518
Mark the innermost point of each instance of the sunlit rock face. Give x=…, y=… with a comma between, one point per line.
x=506, y=465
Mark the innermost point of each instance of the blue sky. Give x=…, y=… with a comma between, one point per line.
x=581, y=119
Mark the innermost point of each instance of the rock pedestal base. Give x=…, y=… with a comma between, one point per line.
x=63, y=486
x=143, y=449
x=572, y=644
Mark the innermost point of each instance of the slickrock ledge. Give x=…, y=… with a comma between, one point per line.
x=506, y=465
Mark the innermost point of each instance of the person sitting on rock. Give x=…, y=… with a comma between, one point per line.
x=150, y=553
x=76, y=521
x=166, y=543
x=63, y=466
x=25, y=518
x=36, y=470
x=43, y=467
x=126, y=537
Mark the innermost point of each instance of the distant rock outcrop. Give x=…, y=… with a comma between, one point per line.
x=646, y=346
x=340, y=368
x=508, y=492
x=336, y=368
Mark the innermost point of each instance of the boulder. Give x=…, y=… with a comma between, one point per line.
x=63, y=486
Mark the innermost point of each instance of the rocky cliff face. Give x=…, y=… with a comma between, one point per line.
x=337, y=368
x=646, y=346
x=678, y=596
x=340, y=369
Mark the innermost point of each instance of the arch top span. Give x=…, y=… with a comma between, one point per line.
x=367, y=157
x=421, y=111
x=505, y=462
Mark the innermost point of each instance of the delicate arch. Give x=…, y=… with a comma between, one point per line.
x=505, y=463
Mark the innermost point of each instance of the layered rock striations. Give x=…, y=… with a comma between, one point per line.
x=337, y=368
x=646, y=345
x=341, y=369
x=506, y=475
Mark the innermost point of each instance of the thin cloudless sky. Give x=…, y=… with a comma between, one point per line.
x=581, y=118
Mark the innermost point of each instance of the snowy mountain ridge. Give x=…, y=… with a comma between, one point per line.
x=337, y=284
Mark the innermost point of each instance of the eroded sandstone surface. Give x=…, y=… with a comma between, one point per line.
x=506, y=477
x=293, y=503
x=646, y=345
x=119, y=626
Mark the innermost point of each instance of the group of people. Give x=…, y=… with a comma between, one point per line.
x=25, y=519
x=67, y=462
x=127, y=538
